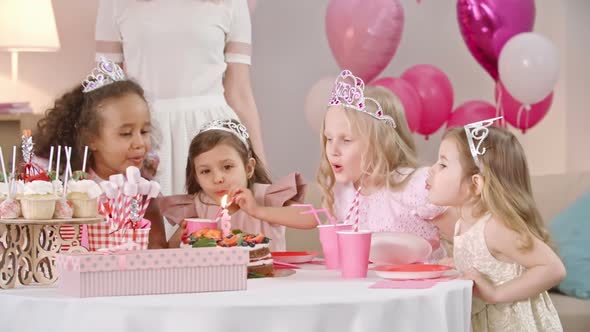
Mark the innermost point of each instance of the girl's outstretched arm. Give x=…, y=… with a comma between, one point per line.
x=289, y=216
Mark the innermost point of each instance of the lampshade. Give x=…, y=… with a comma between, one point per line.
x=27, y=26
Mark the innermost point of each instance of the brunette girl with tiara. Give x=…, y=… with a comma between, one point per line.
x=108, y=113
x=221, y=162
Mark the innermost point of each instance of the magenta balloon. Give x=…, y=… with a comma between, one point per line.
x=486, y=25
x=518, y=117
x=436, y=95
x=471, y=111
x=364, y=35
x=407, y=95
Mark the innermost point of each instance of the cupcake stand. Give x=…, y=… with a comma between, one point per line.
x=28, y=248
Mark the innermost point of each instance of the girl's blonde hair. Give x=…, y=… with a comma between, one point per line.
x=506, y=192
x=387, y=149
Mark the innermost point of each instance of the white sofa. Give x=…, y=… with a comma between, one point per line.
x=552, y=193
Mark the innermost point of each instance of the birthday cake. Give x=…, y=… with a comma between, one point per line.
x=261, y=262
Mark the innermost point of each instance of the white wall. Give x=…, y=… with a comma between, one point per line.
x=578, y=76
x=291, y=53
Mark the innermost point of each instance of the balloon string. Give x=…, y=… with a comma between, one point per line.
x=499, y=107
x=520, y=109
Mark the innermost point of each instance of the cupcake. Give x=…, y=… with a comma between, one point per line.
x=84, y=196
x=38, y=200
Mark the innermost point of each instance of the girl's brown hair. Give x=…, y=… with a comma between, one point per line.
x=206, y=141
x=507, y=192
x=74, y=120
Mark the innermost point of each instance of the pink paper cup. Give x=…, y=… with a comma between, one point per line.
x=195, y=224
x=329, y=241
x=354, y=250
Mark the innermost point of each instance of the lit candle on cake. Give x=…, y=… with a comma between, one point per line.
x=225, y=218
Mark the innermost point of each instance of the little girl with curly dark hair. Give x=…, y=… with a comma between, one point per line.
x=109, y=114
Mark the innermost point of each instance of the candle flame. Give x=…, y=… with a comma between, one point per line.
x=224, y=201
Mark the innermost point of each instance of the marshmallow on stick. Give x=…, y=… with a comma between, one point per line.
x=127, y=197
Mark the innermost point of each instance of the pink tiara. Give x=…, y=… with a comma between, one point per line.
x=348, y=92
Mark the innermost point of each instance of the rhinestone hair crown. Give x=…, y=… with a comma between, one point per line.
x=349, y=92
x=230, y=126
x=477, y=132
x=105, y=73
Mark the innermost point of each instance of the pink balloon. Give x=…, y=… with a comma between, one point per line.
x=486, y=25
x=516, y=115
x=316, y=102
x=436, y=95
x=364, y=35
x=471, y=111
x=407, y=95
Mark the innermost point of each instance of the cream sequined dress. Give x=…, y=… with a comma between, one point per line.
x=534, y=314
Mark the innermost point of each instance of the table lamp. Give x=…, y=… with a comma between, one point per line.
x=27, y=26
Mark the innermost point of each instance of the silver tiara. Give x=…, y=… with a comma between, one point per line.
x=476, y=134
x=105, y=73
x=233, y=127
x=349, y=92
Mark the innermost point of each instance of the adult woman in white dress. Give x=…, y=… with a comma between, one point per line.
x=193, y=59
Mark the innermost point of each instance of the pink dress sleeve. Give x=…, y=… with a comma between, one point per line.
x=289, y=188
x=177, y=207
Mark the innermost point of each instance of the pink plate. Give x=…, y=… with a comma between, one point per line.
x=412, y=271
x=391, y=248
x=294, y=257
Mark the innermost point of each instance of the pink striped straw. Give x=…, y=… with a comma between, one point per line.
x=116, y=203
x=311, y=210
x=356, y=220
x=354, y=205
x=316, y=213
x=146, y=203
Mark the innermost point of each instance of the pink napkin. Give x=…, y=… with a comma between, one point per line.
x=410, y=284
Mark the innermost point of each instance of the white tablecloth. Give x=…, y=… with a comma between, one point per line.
x=313, y=299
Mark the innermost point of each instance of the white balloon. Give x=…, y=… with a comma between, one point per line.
x=529, y=67
x=316, y=102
